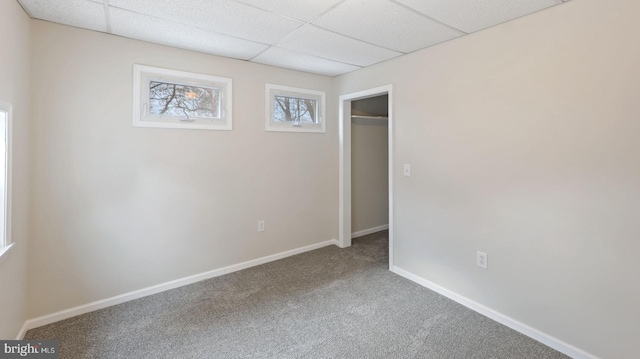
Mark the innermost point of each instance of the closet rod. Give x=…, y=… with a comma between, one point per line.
x=371, y=117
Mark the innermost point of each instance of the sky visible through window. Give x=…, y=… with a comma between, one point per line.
x=172, y=99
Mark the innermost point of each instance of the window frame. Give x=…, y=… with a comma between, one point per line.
x=143, y=74
x=6, y=242
x=272, y=90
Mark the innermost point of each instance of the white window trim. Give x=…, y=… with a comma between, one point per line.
x=6, y=243
x=142, y=73
x=272, y=90
x=4, y=251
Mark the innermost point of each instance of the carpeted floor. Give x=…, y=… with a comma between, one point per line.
x=328, y=303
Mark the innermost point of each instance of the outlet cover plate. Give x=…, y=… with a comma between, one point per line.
x=482, y=260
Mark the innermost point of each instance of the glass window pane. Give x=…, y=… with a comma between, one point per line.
x=297, y=110
x=172, y=99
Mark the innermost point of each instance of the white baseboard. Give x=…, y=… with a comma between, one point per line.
x=104, y=303
x=22, y=332
x=364, y=232
x=498, y=317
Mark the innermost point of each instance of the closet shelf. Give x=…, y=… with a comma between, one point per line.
x=371, y=117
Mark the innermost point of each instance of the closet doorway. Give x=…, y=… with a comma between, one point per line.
x=365, y=205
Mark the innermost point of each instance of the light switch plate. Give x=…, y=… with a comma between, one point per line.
x=407, y=169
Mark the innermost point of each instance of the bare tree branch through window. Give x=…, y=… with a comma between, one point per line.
x=173, y=99
x=292, y=109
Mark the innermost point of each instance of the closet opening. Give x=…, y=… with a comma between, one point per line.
x=366, y=157
x=369, y=165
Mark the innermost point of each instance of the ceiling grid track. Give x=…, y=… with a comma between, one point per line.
x=428, y=17
x=275, y=44
x=107, y=17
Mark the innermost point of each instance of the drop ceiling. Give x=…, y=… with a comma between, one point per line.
x=328, y=37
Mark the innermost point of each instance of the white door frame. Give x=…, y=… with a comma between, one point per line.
x=344, y=236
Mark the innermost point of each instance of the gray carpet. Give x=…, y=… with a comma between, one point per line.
x=328, y=303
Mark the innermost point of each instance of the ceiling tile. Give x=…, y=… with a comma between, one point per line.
x=385, y=24
x=146, y=28
x=318, y=42
x=223, y=16
x=298, y=61
x=344, y=34
x=80, y=13
x=297, y=9
x=474, y=15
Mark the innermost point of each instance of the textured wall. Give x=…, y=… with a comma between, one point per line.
x=14, y=88
x=523, y=141
x=118, y=208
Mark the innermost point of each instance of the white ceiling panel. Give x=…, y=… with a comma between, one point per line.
x=305, y=10
x=386, y=24
x=318, y=42
x=327, y=37
x=223, y=16
x=276, y=56
x=146, y=28
x=474, y=15
x=79, y=13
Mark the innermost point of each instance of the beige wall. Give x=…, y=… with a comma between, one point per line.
x=118, y=208
x=523, y=141
x=369, y=165
x=14, y=88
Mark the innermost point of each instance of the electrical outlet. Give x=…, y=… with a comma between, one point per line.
x=482, y=260
x=261, y=225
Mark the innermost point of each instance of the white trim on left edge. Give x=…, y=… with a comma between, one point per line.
x=533, y=333
x=104, y=303
x=4, y=251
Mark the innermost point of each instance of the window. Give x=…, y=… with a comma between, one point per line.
x=294, y=109
x=5, y=178
x=177, y=99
